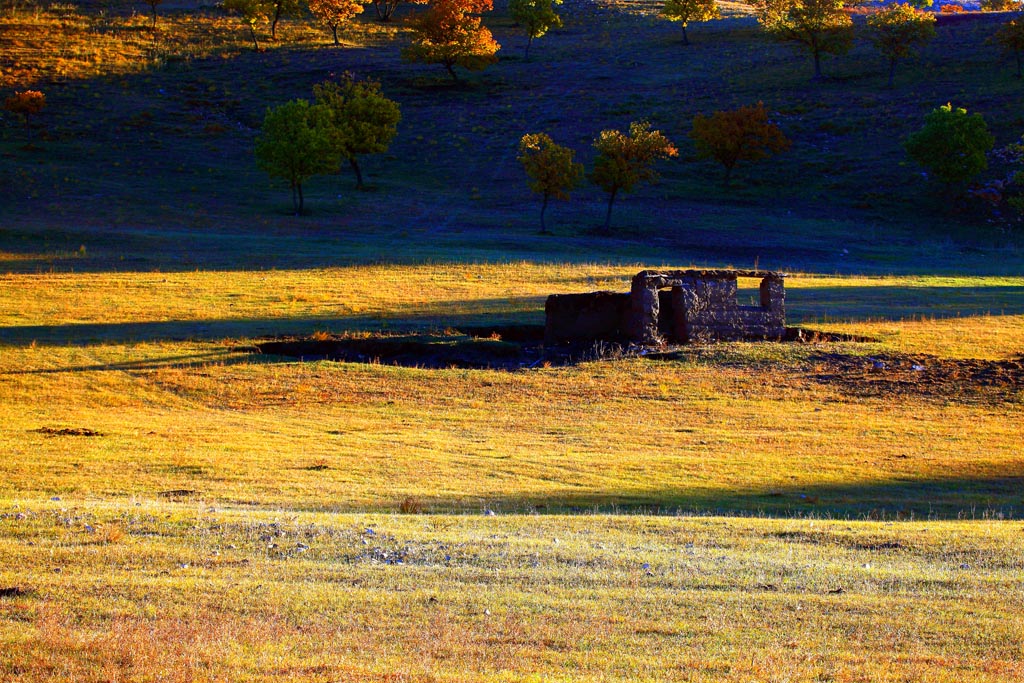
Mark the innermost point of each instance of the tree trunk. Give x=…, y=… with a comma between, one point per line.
x=728, y=174
x=686, y=39
x=154, y=17
x=273, y=23
x=301, y=200
x=359, y=173
x=295, y=199
x=608, y=215
x=529, y=40
x=334, y=31
x=252, y=32
x=817, y=64
x=892, y=70
x=543, y=208
x=449, y=65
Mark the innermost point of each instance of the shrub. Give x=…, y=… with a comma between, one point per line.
x=952, y=145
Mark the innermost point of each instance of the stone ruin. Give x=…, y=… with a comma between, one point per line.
x=677, y=306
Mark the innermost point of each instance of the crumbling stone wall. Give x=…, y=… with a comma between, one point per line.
x=675, y=305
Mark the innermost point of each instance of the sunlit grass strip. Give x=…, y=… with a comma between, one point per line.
x=957, y=317
x=190, y=592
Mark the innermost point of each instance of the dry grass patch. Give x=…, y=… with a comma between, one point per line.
x=204, y=593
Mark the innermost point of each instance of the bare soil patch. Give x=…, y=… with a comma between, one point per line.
x=67, y=431
x=505, y=347
x=921, y=376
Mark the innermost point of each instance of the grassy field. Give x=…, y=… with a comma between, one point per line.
x=175, y=506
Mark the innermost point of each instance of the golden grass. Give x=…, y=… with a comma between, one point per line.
x=211, y=521
x=204, y=594
x=60, y=42
x=749, y=429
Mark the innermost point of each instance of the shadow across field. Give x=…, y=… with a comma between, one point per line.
x=803, y=304
x=1000, y=496
x=896, y=303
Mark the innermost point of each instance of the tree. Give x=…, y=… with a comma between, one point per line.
x=293, y=144
x=253, y=12
x=279, y=10
x=26, y=104
x=743, y=134
x=386, y=8
x=952, y=145
x=361, y=120
x=536, y=16
x=1001, y=5
x=446, y=34
x=1010, y=37
x=820, y=26
x=551, y=169
x=685, y=11
x=625, y=160
x=897, y=30
x=334, y=13
x=153, y=4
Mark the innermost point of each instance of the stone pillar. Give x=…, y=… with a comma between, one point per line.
x=644, y=309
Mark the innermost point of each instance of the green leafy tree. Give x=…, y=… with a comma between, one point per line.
x=625, y=160
x=537, y=17
x=1010, y=37
x=952, y=145
x=252, y=12
x=743, y=134
x=551, y=169
x=448, y=34
x=819, y=26
x=361, y=119
x=294, y=144
x=685, y=11
x=897, y=31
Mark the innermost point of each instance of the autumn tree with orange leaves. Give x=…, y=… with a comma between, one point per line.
x=448, y=34
x=623, y=160
x=743, y=134
x=334, y=13
x=551, y=169
x=26, y=104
